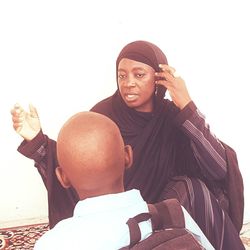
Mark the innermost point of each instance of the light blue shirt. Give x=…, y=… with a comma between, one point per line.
x=100, y=223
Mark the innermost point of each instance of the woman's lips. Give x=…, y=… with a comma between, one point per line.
x=131, y=97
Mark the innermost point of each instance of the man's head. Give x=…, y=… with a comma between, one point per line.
x=92, y=156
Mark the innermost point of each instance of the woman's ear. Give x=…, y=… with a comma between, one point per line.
x=62, y=178
x=128, y=156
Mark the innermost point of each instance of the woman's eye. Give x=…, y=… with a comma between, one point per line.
x=140, y=75
x=122, y=76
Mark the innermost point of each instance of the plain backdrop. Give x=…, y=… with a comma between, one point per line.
x=60, y=56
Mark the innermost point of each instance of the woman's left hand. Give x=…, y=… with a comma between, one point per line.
x=175, y=85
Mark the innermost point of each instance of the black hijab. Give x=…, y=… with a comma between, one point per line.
x=156, y=141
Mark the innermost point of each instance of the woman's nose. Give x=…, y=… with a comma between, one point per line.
x=130, y=82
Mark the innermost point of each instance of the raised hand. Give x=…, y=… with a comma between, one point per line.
x=26, y=124
x=175, y=85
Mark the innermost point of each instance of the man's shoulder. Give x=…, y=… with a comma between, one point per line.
x=55, y=236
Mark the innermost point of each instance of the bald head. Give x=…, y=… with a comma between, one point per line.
x=91, y=155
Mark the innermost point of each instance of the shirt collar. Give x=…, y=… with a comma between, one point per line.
x=107, y=202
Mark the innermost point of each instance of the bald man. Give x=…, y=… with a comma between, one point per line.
x=92, y=159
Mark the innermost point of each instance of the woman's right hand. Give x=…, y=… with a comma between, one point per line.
x=26, y=124
x=175, y=85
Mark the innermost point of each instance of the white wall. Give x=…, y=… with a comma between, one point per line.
x=60, y=56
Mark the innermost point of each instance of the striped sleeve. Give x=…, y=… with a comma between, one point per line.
x=208, y=150
x=36, y=150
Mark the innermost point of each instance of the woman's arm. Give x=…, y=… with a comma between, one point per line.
x=42, y=150
x=208, y=150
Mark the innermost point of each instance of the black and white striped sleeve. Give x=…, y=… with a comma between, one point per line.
x=208, y=150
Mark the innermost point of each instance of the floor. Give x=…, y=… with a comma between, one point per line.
x=245, y=235
x=24, y=237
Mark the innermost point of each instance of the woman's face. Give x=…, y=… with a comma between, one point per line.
x=136, y=82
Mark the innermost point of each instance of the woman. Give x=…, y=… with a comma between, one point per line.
x=175, y=154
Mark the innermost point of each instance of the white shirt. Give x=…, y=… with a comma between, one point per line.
x=100, y=223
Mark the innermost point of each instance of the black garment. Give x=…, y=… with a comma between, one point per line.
x=161, y=150
x=205, y=209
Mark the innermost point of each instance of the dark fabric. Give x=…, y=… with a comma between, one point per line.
x=175, y=237
x=61, y=201
x=234, y=188
x=65, y=198
x=202, y=205
x=145, y=52
x=161, y=150
x=167, y=214
x=134, y=229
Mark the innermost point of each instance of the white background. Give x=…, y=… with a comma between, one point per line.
x=60, y=56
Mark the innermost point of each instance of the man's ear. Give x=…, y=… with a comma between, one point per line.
x=62, y=178
x=128, y=156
